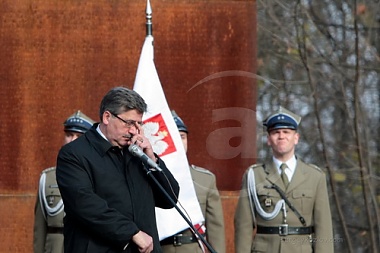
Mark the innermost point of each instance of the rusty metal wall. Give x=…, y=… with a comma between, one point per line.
x=206, y=65
x=61, y=56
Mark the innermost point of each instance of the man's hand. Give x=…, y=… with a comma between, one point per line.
x=140, y=140
x=143, y=241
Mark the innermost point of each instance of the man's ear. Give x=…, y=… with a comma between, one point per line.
x=296, y=138
x=268, y=141
x=106, y=117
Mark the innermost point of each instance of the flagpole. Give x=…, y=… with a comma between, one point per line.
x=149, y=28
x=149, y=33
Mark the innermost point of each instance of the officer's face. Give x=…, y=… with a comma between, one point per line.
x=184, y=139
x=70, y=136
x=283, y=142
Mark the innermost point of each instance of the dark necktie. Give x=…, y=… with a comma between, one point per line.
x=283, y=174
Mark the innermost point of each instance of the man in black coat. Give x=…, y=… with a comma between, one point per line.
x=109, y=198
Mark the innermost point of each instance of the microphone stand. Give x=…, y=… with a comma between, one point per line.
x=149, y=173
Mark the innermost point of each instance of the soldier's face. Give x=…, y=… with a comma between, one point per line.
x=70, y=136
x=184, y=139
x=283, y=142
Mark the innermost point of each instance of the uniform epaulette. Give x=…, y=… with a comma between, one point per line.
x=47, y=170
x=256, y=165
x=315, y=167
x=203, y=170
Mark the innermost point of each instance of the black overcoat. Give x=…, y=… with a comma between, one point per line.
x=108, y=198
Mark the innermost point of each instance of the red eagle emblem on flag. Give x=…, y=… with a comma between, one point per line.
x=159, y=136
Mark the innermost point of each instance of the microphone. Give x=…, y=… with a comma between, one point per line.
x=136, y=151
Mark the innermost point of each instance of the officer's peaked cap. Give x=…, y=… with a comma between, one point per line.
x=78, y=122
x=179, y=122
x=283, y=118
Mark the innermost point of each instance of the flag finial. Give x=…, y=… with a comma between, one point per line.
x=148, y=19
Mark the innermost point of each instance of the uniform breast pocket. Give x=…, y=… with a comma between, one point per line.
x=305, y=199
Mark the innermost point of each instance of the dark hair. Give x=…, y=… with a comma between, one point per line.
x=121, y=99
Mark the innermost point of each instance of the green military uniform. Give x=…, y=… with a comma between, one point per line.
x=48, y=223
x=307, y=191
x=210, y=203
x=289, y=217
x=49, y=209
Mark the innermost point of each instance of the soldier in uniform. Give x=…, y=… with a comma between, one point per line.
x=211, y=206
x=284, y=204
x=48, y=219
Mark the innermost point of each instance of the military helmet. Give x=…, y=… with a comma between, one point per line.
x=178, y=121
x=78, y=122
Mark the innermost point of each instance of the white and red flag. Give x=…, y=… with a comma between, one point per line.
x=161, y=130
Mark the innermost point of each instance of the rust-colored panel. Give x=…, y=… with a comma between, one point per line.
x=16, y=231
x=61, y=56
x=229, y=202
x=206, y=65
x=58, y=57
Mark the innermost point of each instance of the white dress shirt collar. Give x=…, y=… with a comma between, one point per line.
x=291, y=163
x=100, y=132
